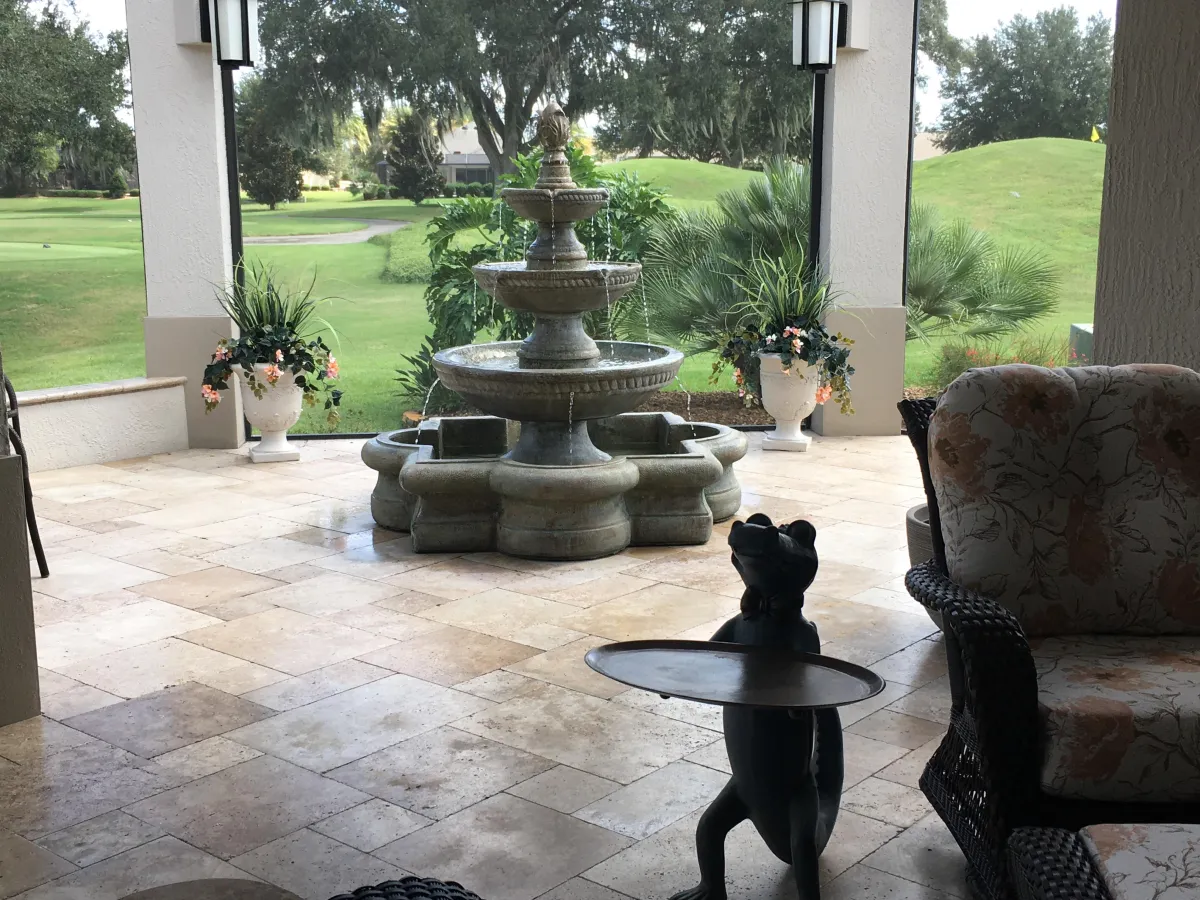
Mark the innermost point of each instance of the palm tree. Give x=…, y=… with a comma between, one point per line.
x=960, y=282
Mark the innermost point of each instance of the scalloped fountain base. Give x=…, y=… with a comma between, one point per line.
x=458, y=486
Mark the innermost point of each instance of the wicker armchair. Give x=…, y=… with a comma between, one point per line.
x=1069, y=505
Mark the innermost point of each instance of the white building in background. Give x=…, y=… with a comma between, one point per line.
x=464, y=161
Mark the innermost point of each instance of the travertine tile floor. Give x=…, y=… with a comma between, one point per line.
x=242, y=677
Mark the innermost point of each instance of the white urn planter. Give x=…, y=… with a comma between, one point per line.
x=789, y=397
x=272, y=414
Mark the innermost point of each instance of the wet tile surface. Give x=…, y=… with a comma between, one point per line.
x=300, y=693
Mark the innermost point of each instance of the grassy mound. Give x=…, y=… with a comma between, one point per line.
x=686, y=181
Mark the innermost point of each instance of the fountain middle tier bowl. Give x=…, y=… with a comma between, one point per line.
x=557, y=292
x=489, y=377
x=560, y=205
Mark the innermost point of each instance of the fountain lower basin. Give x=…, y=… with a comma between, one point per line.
x=453, y=484
x=490, y=378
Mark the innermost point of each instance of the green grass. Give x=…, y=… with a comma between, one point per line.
x=72, y=313
x=1059, y=183
x=688, y=182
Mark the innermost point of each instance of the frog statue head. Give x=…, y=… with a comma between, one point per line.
x=777, y=564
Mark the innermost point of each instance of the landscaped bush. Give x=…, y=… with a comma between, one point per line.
x=448, y=190
x=135, y=192
x=118, y=187
x=475, y=189
x=957, y=357
x=370, y=191
x=460, y=189
x=407, y=257
x=354, y=189
x=72, y=192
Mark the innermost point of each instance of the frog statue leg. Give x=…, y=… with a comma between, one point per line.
x=813, y=807
x=726, y=813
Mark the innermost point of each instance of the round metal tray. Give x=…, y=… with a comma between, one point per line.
x=736, y=674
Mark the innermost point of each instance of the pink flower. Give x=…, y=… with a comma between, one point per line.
x=222, y=353
x=824, y=392
x=796, y=345
x=278, y=356
x=211, y=396
x=332, y=369
x=741, y=393
x=273, y=374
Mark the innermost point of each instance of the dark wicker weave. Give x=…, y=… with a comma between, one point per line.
x=1053, y=864
x=985, y=778
x=411, y=888
x=12, y=433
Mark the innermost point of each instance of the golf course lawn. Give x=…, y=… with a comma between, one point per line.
x=71, y=313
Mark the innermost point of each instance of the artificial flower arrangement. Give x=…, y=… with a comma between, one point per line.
x=276, y=332
x=783, y=314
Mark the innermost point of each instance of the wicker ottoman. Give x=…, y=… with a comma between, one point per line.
x=1107, y=862
x=411, y=888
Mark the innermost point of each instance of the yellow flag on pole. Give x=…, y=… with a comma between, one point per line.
x=1095, y=135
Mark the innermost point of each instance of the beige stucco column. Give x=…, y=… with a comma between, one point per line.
x=868, y=133
x=185, y=208
x=1148, y=273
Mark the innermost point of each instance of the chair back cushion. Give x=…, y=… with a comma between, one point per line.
x=1072, y=496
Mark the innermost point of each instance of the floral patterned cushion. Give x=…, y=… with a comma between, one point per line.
x=1072, y=496
x=1147, y=862
x=1121, y=717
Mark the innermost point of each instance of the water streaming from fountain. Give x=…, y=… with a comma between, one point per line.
x=646, y=315
x=429, y=396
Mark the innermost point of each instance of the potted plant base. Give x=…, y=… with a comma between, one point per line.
x=273, y=414
x=790, y=397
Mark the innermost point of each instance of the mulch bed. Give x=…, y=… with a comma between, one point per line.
x=718, y=407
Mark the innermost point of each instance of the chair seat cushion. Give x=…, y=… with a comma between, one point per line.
x=1120, y=716
x=1146, y=862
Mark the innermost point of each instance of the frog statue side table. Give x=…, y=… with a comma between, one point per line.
x=780, y=698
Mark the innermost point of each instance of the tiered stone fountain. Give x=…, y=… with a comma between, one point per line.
x=580, y=477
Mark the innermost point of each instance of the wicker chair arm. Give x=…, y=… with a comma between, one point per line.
x=1053, y=864
x=994, y=686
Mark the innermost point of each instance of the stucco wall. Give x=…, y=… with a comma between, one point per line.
x=97, y=424
x=867, y=134
x=1148, y=277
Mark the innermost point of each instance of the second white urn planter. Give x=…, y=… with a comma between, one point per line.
x=789, y=397
x=273, y=414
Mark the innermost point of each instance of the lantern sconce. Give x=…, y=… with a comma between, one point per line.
x=819, y=28
x=232, y=25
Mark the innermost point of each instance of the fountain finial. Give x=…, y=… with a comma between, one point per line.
x=554, y=133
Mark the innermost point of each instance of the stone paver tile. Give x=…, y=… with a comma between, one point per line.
x=167, y=720
x=327, y=594
x=581, y=889
x=663, y=609
x=315, y=867
x=703, y=571
x=77, y=575
x=841, y=581
x=75, y=785
x=864, y=883
x=165, y=562
x=378, y=561
x=207, y=587
x=288, y=641
x=887, y=801
x=379, y=619
x=75, y=701
x=865, y=756
x=273, y=553
x=242, y=678
x=453, y=579
x=411, y=602
x=28, y=742
x=897, y=728
x=441, y=772
x=859, y=711
x=358, y=722
x=699, y=714
x=159, y=863
x=500, y=613
x=909, y=768
x=588, y=733
x=505, y=848
x=926, y=854
x=497, y=686
x=714, y=756
x=302, y=690
x=333, y=515
x=116, y=629
x=245, y=806
x=89, y=842
x=371, y=825
x=244, y=530
x=24, y=865
x=564, y=789
x=206, y=757
x=589, y=592
x=51, y=683
x=150, y=667
x=930, y=702
x=652, y=803
x=916, y=665
x=296, y=573
x=449, y=655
